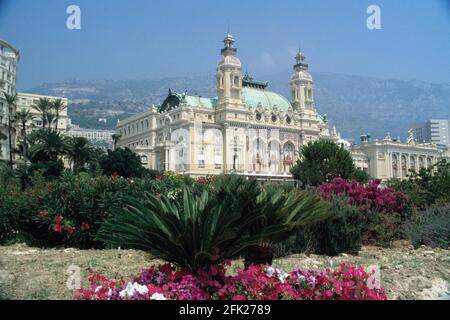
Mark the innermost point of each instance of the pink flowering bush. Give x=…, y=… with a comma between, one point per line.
x=384, y=210
x=260, y=282
x=382, y=199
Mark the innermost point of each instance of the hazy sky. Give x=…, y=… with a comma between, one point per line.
x=137, y=39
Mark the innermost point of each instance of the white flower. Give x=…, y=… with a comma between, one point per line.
x=131, y=289
x=277, y=273
x=157, y=296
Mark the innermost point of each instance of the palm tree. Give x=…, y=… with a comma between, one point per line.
x=58, y=106
x=48, y=145
x=23, y=117
x=116, y=137
x=43, y=106
x=11, y=101
x=80, y=152
x=50, y=118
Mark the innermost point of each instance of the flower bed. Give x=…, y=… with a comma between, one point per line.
x=256, y=283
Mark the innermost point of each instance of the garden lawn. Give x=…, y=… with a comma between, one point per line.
x=33, y=273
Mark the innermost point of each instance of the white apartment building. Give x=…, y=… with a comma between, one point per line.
x=26, y=101
x=95, y=136
x=8, y=64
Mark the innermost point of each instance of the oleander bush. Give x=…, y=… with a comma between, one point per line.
x=259, y=282
x=68, y=211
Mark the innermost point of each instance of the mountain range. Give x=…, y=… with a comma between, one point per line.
x=354, y=104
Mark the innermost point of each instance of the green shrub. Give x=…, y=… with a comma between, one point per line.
x=430, y=227
x=341, y=232
x=426, y=187
x=13, y=203
x=384, y=228
x=50, y=169
x=123, y=162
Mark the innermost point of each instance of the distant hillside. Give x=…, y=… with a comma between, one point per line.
x=354, y=104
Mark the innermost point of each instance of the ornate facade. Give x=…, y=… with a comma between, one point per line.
x=390, y=158
x=246, y=129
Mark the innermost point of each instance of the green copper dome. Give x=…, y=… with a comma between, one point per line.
x=268, y=99
x=201, y=102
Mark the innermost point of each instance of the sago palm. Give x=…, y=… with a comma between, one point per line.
x=204, y=231
x=222, y=224
x=292, y=209
x=275, y=206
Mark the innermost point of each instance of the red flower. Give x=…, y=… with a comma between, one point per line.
x=42, y=215
x=58, y=228
x=49, y=186
x=70, y=230
x=85, y=226
x=58, y=219
x=115, y=176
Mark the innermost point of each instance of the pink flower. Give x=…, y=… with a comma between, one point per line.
x=42, y=215
x=58, y=219
x=58, y=228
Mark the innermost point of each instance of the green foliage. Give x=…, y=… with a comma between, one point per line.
x=428, y=186
x=81, y=153
x=322, y=161
x=341, y=232
x=123, y=162
x=204, y=231
x=360, y=175
x=82, y=201
x=47, y=145
x=384, y=228
x=50, y=169
x=232, y=218
x=13, y=203
x=430, y=227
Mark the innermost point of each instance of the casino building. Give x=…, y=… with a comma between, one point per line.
x=246, y=129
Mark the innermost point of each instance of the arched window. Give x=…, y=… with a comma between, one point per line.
x=394, y=165
x=404, y=166
x=288, y=156
x=412, y=163
x=421, y=163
